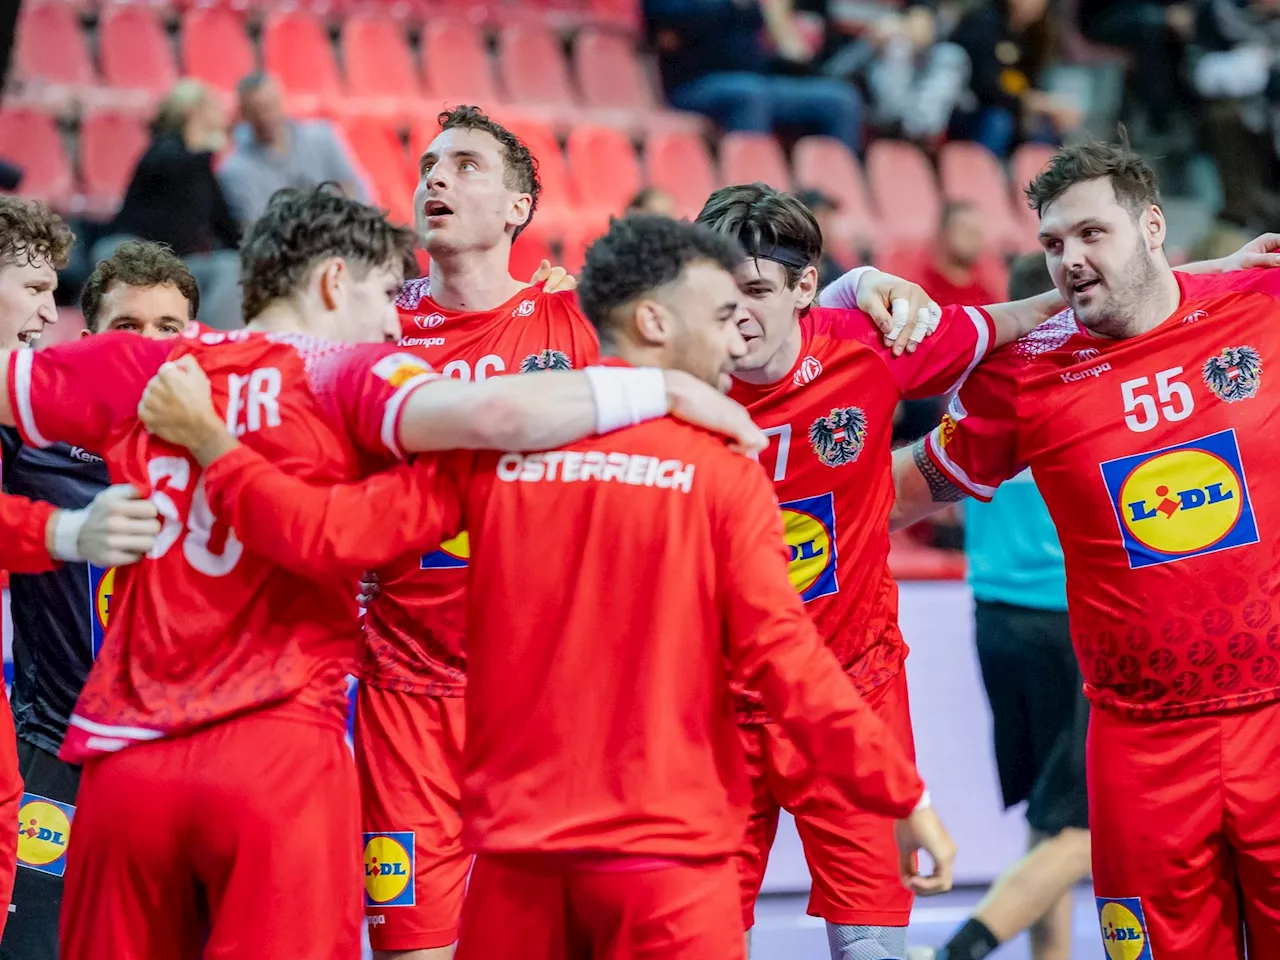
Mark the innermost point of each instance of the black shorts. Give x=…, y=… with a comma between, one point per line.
x=1040, y=714
x=31, y=932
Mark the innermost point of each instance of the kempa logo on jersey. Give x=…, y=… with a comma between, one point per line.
x=810, y=370
x=810, y=531
x=452, y=555
x=1124, y=928
x=525, y=309
x=1181, y=501
x=388, y=869
x=429, y=321
x=102, y=587
x=570, y=466
x=83, y=455
x=44, y=828
x=422, y=341
x=1096, y=370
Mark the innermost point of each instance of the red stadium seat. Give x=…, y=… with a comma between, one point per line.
x=905, y=192
x=380, y=70
x=110, y=144
x=377, y=149
x=533, y=70
x=616, y=13
x=296, y=50
x=678, y=164
x=50, y=48
x=1025, y=165
x=573, y=249
x=748, y=157
x=970, y=173
x=455, y=64
x=605, y=168
x=529, y=250
x=30, y=138
x=215, y=48
x=609, y=71
x=827, y=164
x=134, y=51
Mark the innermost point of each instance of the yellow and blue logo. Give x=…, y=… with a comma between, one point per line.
x=1124, y=928
x=388, y=869
x=1181, y=501
x=452, y=555
x=44, y=829
x=102, y=586
x=810, y=526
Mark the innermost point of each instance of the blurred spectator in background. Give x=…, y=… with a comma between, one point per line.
x=1009, y=43
x=826, y=213
x=715, y=61
x=959, y=268
x=174, y=198
x=1155, y=32
x=1231, y=62
x=1038, y=708
x=272, y=152
x=653, y=200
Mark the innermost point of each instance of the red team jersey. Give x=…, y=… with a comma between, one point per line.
x=414, y=633
x=1153, y=455
x=830, y=421
x=205, y=629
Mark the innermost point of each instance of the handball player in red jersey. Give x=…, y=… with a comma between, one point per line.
x=603, y=786
x=211, y=726
x=1146, y=415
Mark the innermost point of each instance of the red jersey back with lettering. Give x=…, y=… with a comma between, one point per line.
x=414, y=631
x=830, y=423
x=204, y=629
x=1152, y=454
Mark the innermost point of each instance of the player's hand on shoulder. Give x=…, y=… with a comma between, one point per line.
x=1261, y=251
x=557, y=279
x=120, y=526
x=903, y=311
x=177, y=404
x=923, y=831
x=694, y=401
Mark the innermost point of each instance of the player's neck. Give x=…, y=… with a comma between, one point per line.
x=779, y=365
x=475, y=280
x=281, y=318
x=1155, y=307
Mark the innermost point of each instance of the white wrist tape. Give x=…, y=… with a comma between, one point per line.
x=66, y=535
x=625, y=396
x=926, y=801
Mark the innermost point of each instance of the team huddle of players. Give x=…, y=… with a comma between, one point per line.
x=603, y=648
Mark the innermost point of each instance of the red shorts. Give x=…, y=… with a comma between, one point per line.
x=10, y=799
x=552, y=908
x=236, y=842
x=409, y=757
x=851, y=853
x=1185, y=817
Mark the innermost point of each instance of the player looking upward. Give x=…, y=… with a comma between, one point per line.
x=211, y=724
x=606, y=811
x=1147, y=418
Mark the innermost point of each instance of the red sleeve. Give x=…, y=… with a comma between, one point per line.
x=943, y=359
x=364, y=389
x=976, y=444
x=24, y=546
x=76, y=392
x=327, y=532
x=775, y=649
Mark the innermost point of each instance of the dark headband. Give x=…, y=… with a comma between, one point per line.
x=781, y=253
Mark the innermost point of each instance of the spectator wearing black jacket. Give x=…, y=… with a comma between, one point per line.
x=174, y=198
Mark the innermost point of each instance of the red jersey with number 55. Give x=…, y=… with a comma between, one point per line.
x=203, y=629
x=414, y=631
x=830, y=420
x=1155, y=456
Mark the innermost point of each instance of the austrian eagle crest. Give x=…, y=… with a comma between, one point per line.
x=546, y=360
x=837, y=438
x=1234, y=374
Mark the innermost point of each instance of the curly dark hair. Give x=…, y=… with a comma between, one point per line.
x=138, y=263
x=641, y=253
x=759, y=217
x=303, y=226
x=520, y=165
x=1131, y=178
x=32, y=233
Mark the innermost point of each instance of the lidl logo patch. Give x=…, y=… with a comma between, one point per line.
x=452, y=555
x=810, y=526
x=102, y=586
x=1181, y=501
x=388, y=869
x=1124, y=928
x=44, y=829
